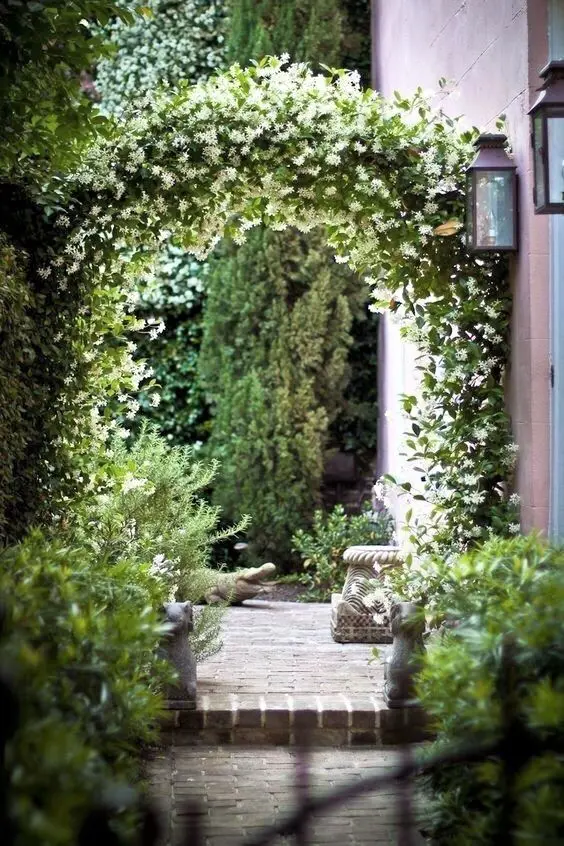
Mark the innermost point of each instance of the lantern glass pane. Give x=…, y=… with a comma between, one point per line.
x=538, y=142
x=470, y=211
x=555, y=132
x=495, y=212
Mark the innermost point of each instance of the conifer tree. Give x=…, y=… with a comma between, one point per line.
x=277, y=324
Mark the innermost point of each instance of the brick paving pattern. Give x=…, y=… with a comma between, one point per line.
x=276, y=648
x=242, y=791
x=280, y=672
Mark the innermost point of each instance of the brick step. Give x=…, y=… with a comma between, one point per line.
x=285, y=720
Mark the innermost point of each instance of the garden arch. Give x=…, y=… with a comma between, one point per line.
x=282, y=146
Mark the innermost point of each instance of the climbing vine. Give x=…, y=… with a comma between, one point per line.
x=281, y=145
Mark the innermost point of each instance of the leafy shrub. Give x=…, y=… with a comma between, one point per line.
x=37, y=329
x=175, y=293
x=278, y=327
x=322, y=548
x=44, y=115
x=80, y=642
x=153, y=514
x=273, y=360
x=174, y=41
x=508, y=587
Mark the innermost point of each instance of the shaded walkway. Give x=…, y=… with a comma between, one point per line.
x=242, y=791
x=278, y=676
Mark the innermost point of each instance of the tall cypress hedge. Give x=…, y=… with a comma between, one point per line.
x=277, y=324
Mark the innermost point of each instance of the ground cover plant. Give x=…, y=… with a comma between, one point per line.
x=507, y=588
x=321, y=548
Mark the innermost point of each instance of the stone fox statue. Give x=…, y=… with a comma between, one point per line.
x=177, y=648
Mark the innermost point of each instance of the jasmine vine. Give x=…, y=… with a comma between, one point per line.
x=281, y=145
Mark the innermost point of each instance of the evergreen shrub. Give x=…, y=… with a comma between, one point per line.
x=507, y=588
x=80, y=645
x=153, y=513
x=37, y=326
x=273, y=361
x=175, y=40
x=282, y=388
x=174, y=293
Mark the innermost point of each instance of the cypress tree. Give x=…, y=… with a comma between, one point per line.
x=277, y=325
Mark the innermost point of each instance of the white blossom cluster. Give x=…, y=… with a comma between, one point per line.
x=182, y=42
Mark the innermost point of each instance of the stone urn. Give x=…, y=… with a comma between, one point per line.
x=361, y=613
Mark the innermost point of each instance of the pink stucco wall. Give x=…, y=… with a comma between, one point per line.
x=490, y=51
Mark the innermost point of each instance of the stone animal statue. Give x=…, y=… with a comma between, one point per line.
x=177, y=648
x=402, y=663
x=235, y=587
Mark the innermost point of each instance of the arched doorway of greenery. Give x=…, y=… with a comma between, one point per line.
x=283, y=146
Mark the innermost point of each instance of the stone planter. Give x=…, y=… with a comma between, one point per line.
x=353, y=619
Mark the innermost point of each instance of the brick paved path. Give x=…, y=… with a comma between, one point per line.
x=276, y=648
x=241, y=791
x=279, y=672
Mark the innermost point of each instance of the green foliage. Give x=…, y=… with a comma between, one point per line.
x=356, y=49
x=458, y=435
x=175, y=293
x=355, y=428
x=276, y=404
x=80, y=643
x=153, y=513
x=174, y=41
x=274, y=364
x=292, y=148
x=322, y=547
x=507, y=588
x=308, y=30
x=37, y=330
x=44, y=116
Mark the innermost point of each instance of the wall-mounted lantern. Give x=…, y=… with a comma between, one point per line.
x=491, y=192
x=547, y=119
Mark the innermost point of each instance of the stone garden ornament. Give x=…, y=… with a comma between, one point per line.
x=235, y=587
x=178, y=650
x=361, y=613
x=402, y=662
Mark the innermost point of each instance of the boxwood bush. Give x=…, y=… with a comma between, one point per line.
x=80, y=646
x=508, y=588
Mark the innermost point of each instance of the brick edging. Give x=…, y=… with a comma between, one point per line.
x=285, y=720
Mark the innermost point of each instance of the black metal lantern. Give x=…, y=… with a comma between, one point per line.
x=491, y=192
x=547, y=119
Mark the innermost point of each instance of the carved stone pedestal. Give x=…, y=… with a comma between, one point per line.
x=360, y=614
